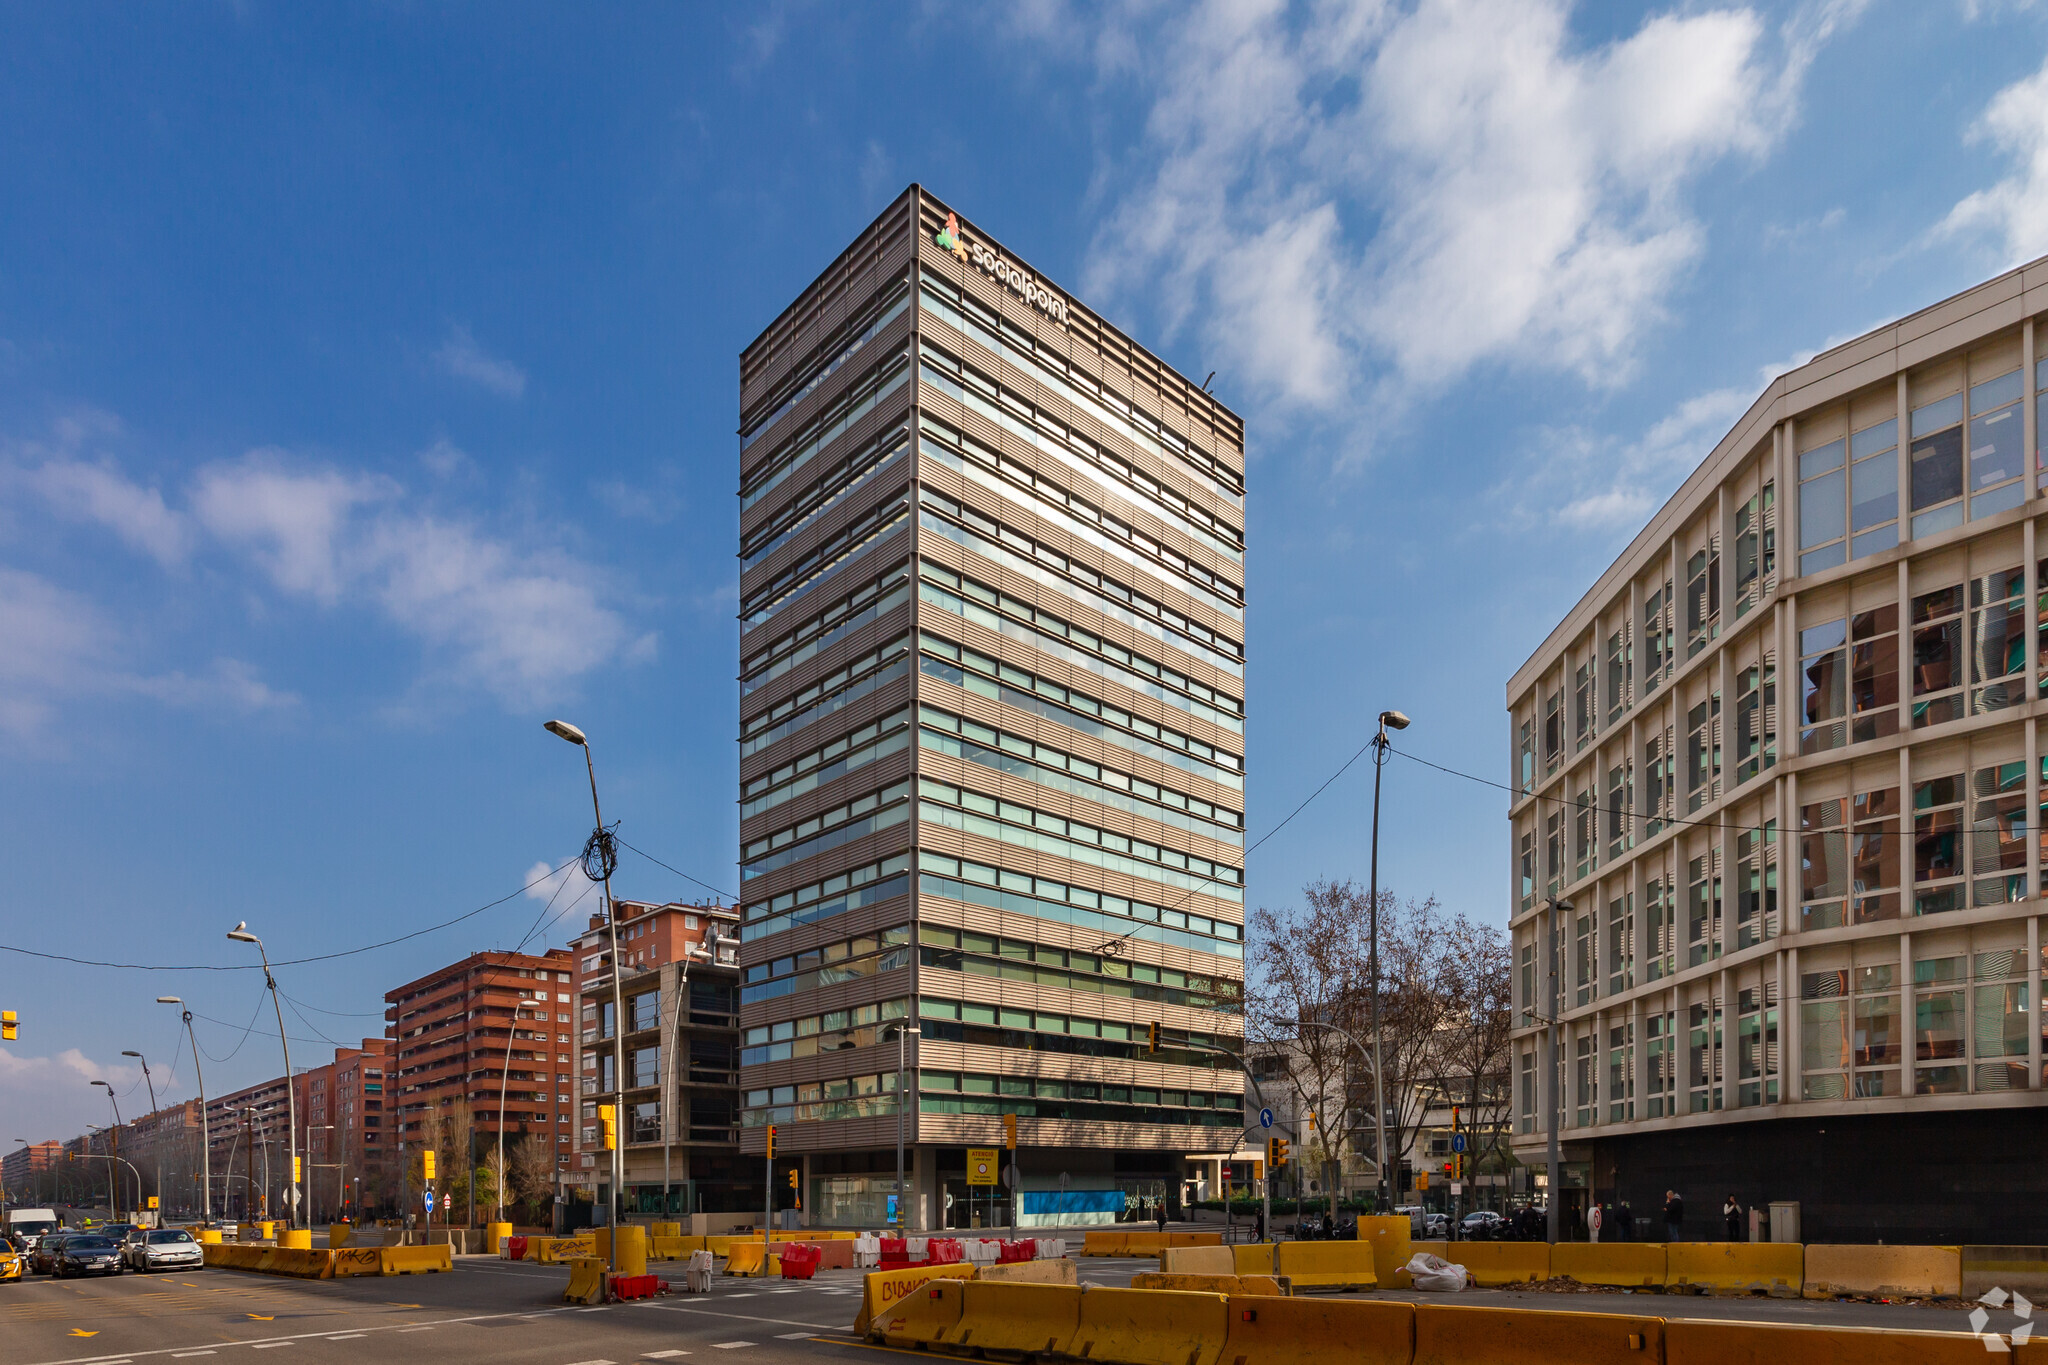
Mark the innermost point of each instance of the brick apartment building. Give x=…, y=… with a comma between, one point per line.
x=250, y=1151
x=483, y=1041
x=350, y=1149
x=681, y=1058
x=30, y=1172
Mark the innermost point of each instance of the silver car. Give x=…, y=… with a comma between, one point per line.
x=164, y=1249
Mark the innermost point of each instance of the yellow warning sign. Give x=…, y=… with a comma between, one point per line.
x=981, y=1165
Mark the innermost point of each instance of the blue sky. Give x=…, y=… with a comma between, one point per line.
x=367, y=388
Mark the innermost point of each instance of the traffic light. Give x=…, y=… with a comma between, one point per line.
x=1447, y=1170
x=608, y=1119
x=792, y=1177
x=427, y=1164
x=1152, y=1038
x=771, y=1142
x=1010, y=1131
x=9, y=1030
x=1276, y=1152
x=296, y=1169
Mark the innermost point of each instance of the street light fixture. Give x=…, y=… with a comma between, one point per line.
x=151, y=1083
x=600, y=856
x=205, y=1143
x=240, y=934
x=693, y=953
x=1380, y=745
x=113, y=1141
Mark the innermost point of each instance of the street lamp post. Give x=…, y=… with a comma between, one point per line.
x=903, y=1031
x=694, y=953
x=157, y=1145
x=114, y=1146
x=1365, y=1054
x=1380, y=745
x=240, y=933
x=205, y=1144
x=600, y=853
x=1554, y=1110
x=311, y=1129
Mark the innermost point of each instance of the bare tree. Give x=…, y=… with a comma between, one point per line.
x=1418, y=981
x=1478, y=1049
x=532, y=1177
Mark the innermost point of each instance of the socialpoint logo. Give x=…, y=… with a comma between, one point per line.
x=1021, y=281
x=948, y=238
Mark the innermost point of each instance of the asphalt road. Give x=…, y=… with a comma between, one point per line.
x=495, y=1311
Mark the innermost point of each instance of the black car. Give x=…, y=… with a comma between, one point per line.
x=89, y=1254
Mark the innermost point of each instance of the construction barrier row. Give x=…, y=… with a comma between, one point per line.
x=1144, y=1243
x=1779, y=1269
x=310, y=1263
x=1173, y=1327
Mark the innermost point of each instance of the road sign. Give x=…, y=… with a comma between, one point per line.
x=981, y=1165
x=1011, y=1177
x=1265, y=1118
x=430, y=1201
x=1458, y=1142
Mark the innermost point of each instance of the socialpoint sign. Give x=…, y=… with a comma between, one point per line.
x=1020, y=281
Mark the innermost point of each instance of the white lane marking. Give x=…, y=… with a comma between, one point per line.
x=729, y=1345
x=180, y=1355
x=662, y=1355
x=591, y=1362
x=743, y=1294
x=792, y=1336
x=266, y=1345
x=403, y=1330
x=348, y=1336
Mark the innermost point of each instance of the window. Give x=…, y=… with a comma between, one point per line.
x=2041, y=413
x=1938, y=656
x=1585, y=832
x=1553, y=865
x=1619, y=795
x=1756, y=1045
x=1996, y=437
x=1937, y=845
x=1824, y=687
x=1703, y=753
x=1657, y=776
x=1621, y=944
x=1656, y=637
x=1874, y=856
x=1874, y=489
x=1998, y=1022
x=646, y=1064
x=1703, y=596
x=1755, y=549
x=1876, y=1035
x=1824, y=865
x=1703, y=910
x=1756, y=886
x=1528, y=867
x=1998, y=834
x=1874, y=674
x=1704, y=1069
x=1525, y=764
x=1823, y=507
x=1998, y=641
x=1618, y=662
x=1756, y=719
x=1621, y=1080
x=1938, y=1025
x=647, y=1121
x=646, y=1008
x=1585, y=723
x=1553, y=731
x=1585, y=943
x=1582, y=1078
x=1525, y=1119
x=1528, y=982
x=1662, y=1057
x=1938, y=465
x=1660, y=930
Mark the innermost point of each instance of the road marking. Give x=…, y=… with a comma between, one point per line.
x=347, y=1336
x=591, y=1362
x=404, y=1330
x=266, y=1345
x=793, y=1336
x=180, y=1355
x=729, y=1345
x=662, y=1355
x=744, y=1294
x=81, y=1332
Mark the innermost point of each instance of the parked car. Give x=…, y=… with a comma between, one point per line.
x=88, y=1254
x=163, y=1249
x=43, y=1260
x=1436, y=1225
x=1481, y=1226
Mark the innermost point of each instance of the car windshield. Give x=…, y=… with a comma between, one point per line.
x=88, y=1244
x=164, y=1239
x=35, y=1229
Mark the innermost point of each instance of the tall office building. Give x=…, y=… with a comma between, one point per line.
x=1776, y=833
x=991, y=743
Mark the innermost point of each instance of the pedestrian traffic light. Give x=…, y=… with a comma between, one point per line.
x=771, y=1142
x=296, y=1169
x=1276, y=1152
x=427, y=1164
x=1447, y=1170
x=1152, y=1038
x=9, y=1029
x=608, y=1119
x=1010, y=1131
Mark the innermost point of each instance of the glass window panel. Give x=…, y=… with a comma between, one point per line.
x=1937, y=469
x=1821, y=507
x=1934, y=523
x=1874, y=542
x=1874, y=491
x=1820, y=460
x=1996, y=393
x=2002, y=499
x=1883, y=436
x=1945, y=412
x=1995, y=442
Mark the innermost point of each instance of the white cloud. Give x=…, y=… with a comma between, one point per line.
x=1340, y=197
x=460, y=356
x=57, y=1092
x=1593, y=483
x=2013, y=213
x=287, y=514
x=101, y=493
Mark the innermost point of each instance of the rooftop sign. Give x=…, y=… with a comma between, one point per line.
x=1021, y=282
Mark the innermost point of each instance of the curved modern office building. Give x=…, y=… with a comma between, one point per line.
x=1776, y=849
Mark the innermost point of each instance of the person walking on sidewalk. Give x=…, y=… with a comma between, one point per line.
x=1731, y=1214
x=1674, y=1217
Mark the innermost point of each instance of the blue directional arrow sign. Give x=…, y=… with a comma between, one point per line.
x=430, y=1201
x=1458, y=1142
x=1265, y=1118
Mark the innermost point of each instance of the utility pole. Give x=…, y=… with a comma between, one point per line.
x=1555, y=1115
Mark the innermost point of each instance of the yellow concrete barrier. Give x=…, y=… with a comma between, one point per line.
x=1215, y=1260
x=632, y=1254
x=1252, y=1258
x=495, y=1237
x=1775, y=1268
x=208, y=1236
x=1145, y=1243
x=1888, y=1271
x=1389, y=1236
x=416, y=1260
x=1276, y=1331
x=1105, y=1244
x=1031, y=1318
x=338, y=1235
x=746, y=1258
x=1326, y=1265
x=586, y=1280
x=1194, y=1239
x=561, y=1250
x=1062, y=1271
x=1191, y=1283
x=1621, y=1265
x=881, y=1288
x=351, y=1261
x=297, y=1239
x=1699, y=1341
x=1521, y=1336
x=232, y=1256
x=664, y=1229
x=303, y=1263
x=675, y=1248
x=1497, y=1263
x=1150, y=1327
x=2016, y=1270
x=924, y=1317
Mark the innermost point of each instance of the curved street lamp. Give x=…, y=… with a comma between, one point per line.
x=1380, y=745
x=240, y=934
x=205, y=1142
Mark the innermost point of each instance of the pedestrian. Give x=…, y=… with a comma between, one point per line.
x=1594, y=1218
x=1259, y=1225
x=1162, y=1213
x=1624, y=1222
x=1674, y=1217
x=1731, y=1214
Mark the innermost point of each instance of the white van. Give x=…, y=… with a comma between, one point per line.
x=31, y=1224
